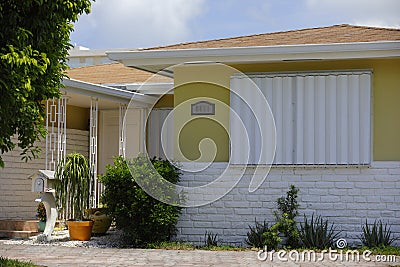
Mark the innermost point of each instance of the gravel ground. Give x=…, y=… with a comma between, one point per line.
x=112, y=239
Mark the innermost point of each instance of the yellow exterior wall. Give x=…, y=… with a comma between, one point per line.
x=386, y=106
x=195, y=83
x=77, y=118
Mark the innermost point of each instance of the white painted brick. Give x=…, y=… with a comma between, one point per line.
x=344, y=185
x=387, y=178
x=334, y=178
x=344, y=195
x=375, y=171
x=347, y=171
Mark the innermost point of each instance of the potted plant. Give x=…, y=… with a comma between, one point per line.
x=74, y=181
x=101, y=221
x=41, y=215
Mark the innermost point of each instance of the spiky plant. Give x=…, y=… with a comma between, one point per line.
x=316, y=233
x=255, y=237
x=74, y=182
x=376, y=235
x=211, y=240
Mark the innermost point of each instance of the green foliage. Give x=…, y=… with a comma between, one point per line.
x=271, y=237
x=41, y=212
x=14, y=263
x=261, y=235
x=34, y=43
x=376, y=235
x=285, y=219
x=142, y=218
x=288, y=205
x=210, y=239
x=74, y=182
x=255, y=237
x=317, y=234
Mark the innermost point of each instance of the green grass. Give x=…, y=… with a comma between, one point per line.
x=171, y=245
x=4, y=262
x=224, y=248
x=383, y=250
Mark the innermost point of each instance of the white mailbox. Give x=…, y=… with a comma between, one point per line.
x=43, y=181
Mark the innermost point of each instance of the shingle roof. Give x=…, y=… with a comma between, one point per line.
x=343, y=33
x=113, y=73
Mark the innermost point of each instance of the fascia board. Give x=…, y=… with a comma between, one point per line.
x=259, y=54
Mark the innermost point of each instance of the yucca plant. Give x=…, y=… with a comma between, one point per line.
x=316, y=233
x=210, y=239
x=74, y=182
x=376, y=235
x=255, y=237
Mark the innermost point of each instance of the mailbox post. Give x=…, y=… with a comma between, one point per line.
x=43, y=183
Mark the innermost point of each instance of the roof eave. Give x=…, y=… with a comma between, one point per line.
x=157, y=60
x=109, y=93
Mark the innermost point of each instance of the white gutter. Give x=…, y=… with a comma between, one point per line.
x=159, y=59
x=105, y=92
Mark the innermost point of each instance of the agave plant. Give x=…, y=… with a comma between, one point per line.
x=376, y=235
x=210, y=239
x=317, y=234
x=74, y=182
x=255, y=237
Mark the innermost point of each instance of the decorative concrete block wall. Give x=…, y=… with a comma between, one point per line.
x=346, y=196
x=16, y=198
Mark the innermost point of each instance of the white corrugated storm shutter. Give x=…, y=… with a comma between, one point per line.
x=320, y=118
x=160, y=141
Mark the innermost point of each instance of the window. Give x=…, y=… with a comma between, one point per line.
x=320, y=118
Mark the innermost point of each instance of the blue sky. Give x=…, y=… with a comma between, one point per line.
x=147, y=23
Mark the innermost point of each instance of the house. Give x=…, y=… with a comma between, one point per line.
x=317, y=108
x=250, y=115
x=89, y=119
x=80, y=56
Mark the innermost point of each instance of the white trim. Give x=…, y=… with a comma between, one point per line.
x=151, y=88
x=105, y=92
x=155, y=60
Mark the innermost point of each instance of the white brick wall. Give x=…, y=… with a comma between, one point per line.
x=16, y=198
x=345, y=196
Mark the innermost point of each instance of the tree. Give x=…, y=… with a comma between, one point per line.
x=34, y=44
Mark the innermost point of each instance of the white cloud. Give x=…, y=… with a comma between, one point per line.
x=133, y=23
x=380, y=13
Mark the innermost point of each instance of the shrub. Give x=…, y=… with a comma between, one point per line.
x=317, y=234
x=255, y=237
x=285, y=219
x=142, y=218
x=15, y=263
x=376, y=235
x=271, y=237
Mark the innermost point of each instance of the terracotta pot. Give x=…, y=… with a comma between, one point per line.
x=80, y=230
x=102, y=221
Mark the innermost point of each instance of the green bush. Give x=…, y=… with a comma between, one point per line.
x=376, y=235
x=142, y=218
x=285, y=218
x=15, y=263
x=317, y=234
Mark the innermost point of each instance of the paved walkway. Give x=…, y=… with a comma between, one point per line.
x=78, y=256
